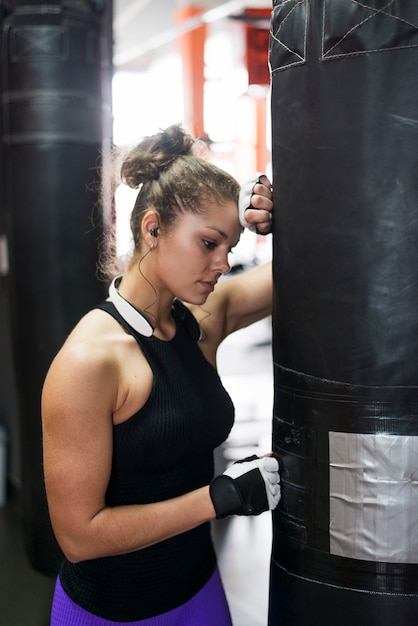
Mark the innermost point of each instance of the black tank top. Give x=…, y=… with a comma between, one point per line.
x=163, y=451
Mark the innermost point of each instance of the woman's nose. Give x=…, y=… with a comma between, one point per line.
x=222, y=262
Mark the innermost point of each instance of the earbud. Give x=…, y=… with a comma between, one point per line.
x=154, y=232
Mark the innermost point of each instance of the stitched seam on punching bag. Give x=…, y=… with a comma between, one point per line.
x=375, y=14
x=275, y=35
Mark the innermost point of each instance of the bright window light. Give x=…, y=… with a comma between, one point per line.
x=145, y=102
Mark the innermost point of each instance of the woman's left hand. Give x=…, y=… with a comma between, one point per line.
x=256, y=204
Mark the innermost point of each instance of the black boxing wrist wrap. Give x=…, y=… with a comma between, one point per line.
x=244, y=495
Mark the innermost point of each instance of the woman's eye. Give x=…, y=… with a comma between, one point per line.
x=210, y=245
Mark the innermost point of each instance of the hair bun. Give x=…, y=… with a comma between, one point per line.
x=155, y=154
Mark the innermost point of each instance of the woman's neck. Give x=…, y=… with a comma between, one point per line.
x=150, y=303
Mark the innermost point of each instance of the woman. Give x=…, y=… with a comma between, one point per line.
x=132, y=406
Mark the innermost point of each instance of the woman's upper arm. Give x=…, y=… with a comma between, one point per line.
x=77, y=401
x=250, y=297
x=237, y=302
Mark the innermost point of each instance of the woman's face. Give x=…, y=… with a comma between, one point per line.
x=194, y=253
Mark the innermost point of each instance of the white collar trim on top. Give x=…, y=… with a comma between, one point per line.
x=129, y=313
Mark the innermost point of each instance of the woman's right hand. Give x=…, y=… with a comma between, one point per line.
x=248, y=487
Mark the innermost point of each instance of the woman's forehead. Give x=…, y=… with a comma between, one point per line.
x=220, y=217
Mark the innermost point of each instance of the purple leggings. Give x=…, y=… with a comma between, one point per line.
x=206, y=608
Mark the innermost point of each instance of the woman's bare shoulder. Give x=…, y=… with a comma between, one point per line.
x=103, y=365
x=95, y=340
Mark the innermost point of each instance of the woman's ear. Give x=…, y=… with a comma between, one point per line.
x=150, y=228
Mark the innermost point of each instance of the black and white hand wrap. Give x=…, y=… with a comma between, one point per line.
x=248, y=487
x=244, y=200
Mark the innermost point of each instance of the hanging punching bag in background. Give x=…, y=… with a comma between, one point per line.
x=345, y=332
x=55, y=121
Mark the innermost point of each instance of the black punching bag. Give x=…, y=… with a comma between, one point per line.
x=345, y=332
x=54, y=125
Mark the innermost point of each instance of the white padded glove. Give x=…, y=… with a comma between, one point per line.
x=244, y=200
x=248, y=487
